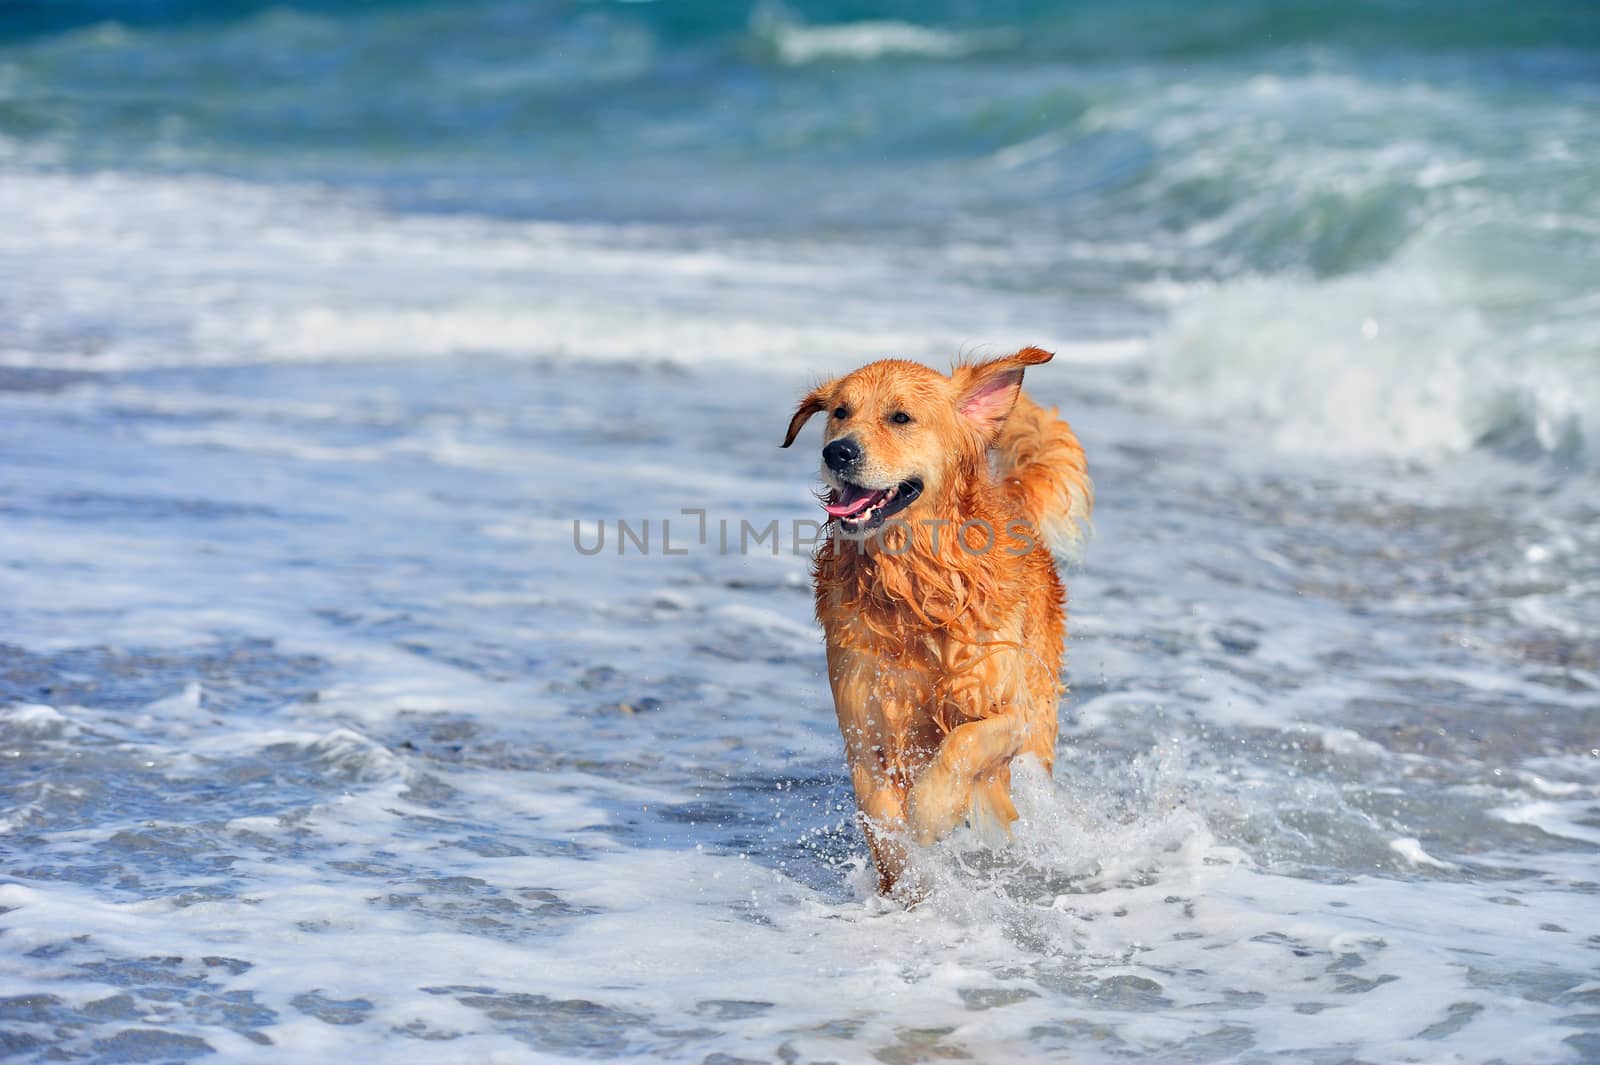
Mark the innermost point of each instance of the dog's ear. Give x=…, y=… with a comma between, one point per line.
x=988, y=390
x=808, y=406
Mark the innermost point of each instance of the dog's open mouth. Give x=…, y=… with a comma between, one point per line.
x=858, y=509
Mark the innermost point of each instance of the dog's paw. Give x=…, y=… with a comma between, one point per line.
x=937, y=805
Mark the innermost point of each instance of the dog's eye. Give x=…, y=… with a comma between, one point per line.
x=841, y=413
x=900, y=417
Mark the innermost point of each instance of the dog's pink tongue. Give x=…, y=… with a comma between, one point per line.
x=852, y=501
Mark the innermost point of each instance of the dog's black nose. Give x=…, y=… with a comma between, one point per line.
x=841, y=453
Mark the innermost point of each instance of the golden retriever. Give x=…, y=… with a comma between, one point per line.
x=937, y=591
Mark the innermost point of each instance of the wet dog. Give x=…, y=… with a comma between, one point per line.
x=937, y=591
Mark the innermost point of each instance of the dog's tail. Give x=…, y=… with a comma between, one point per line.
x=1038, y=455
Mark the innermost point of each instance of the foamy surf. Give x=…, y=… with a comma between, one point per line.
x=1406, y=362
x=569, y=805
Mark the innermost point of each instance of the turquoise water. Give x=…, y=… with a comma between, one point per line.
x=1413, y=184
x=321, y=324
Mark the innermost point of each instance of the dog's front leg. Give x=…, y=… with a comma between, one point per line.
x=882, y=806
x=971, y=754
x=874, y=708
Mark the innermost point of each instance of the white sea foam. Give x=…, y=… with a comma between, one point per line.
x=239, y=286
x=797, y=43
x=1411, y=850
x=1566, y=820
x=34, y=719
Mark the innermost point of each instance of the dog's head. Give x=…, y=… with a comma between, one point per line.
x=898, y=431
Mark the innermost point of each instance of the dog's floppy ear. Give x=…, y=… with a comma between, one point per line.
x=988, y=390
x=808, y=406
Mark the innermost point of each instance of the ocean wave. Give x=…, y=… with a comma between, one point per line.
x=255, y=273
x=1415, y=360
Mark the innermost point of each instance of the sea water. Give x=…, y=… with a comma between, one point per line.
x=330, y=337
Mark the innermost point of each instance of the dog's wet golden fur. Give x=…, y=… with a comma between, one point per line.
x=944, y=616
